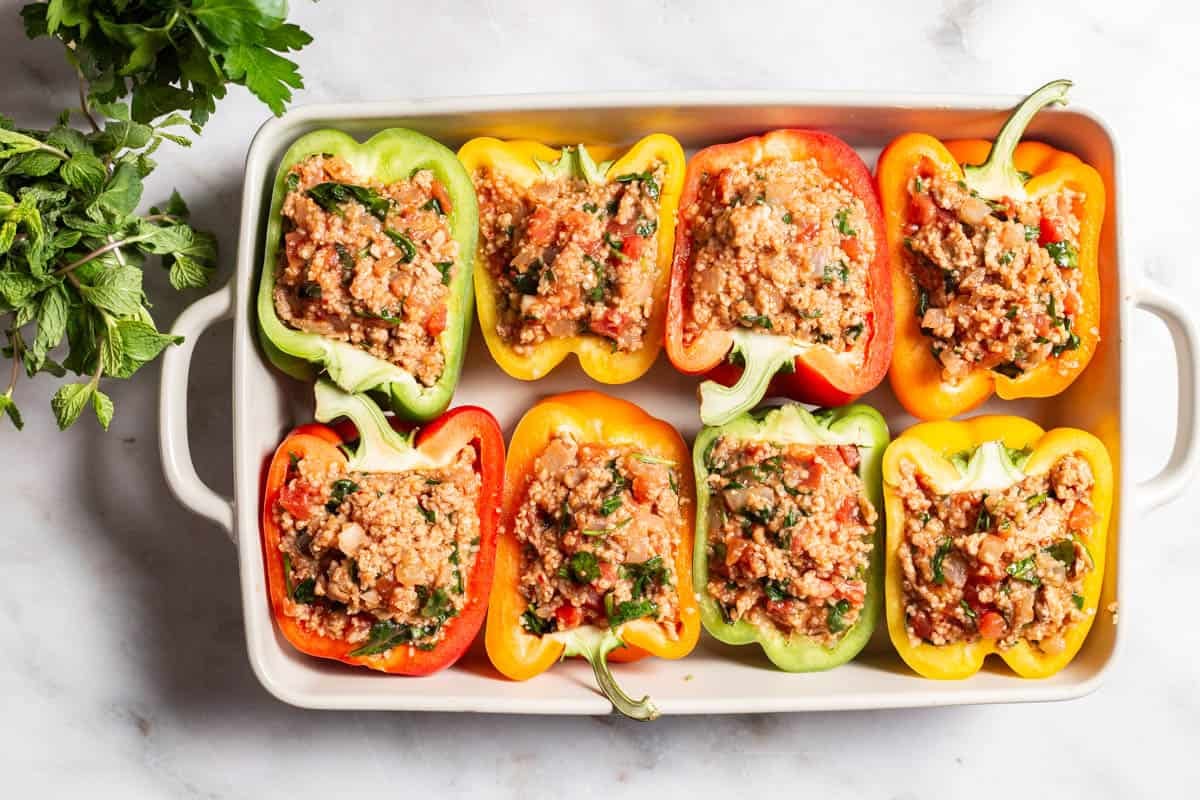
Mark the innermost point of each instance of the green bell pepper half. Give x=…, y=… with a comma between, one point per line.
x=388, y=156
x=855, y=424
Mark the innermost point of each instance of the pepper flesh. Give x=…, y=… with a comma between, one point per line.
x=519, y=655
x=915, y=376
x=812, y=374
x=856, y=424
x=526, y=162
x=930, y=446
x=388, y=156
x=381, y=448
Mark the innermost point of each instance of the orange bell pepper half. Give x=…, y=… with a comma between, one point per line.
x=774, y=365
x=931, y=446
x=915, y=375
x=525, y=163
x=382, y=448
x=520, y=655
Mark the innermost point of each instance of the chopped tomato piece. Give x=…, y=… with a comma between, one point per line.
x=540, y=228
x=442, y=196
x=608, y=573
x=780, y=608
x=632, y=246
x=921, y=625
x=848, y=510
x=1041, y=324
x=435, y=323
x=1072, y=303
x=568, y=616
x=992, y=625
x=576, y=219
x=298, y=497
x=922, y=210
x=734, y=550
x=851, y=247
x=808, y=231
x=1051, y=230
x=815, y=470
x=850, y=455
x=609, y=323
x=1082, y=517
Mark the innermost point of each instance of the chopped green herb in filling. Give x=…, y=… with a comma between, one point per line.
x=378, y=559
x=997, y=283
x=1004, y=564
x=571, y=257
x=599, y=529
x=789, y=536
x=367, y=263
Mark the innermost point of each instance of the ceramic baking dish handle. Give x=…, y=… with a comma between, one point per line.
x=1185, y=456
x=172, y=411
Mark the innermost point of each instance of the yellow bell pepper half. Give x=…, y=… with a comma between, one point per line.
x=931, y=446
x=524, y=163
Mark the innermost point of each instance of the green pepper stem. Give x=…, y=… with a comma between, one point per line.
x=574, y=161
x=764, y=355
x=997, y=176
x=595, y=644
x=380, y=447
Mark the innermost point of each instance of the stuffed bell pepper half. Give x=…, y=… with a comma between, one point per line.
x=780, y=269
x=995, y=544
x=574, y=253
x=379, y=545
x=789, y=529
x=995, y=265
x=368, y=269
x=595, y=556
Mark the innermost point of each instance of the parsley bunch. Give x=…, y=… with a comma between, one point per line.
x=72, y=243
x=174, y=55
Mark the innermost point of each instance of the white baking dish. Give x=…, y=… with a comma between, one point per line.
x=715, y=678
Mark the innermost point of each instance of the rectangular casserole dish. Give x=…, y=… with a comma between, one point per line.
x=715, y=678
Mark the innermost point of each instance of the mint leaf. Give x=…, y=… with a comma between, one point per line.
x=187, y=273
x=9, y=408
x=142, y=342
x=118, y=291
x=102, y=404
x=84, y=172
x=69, y=401
x=120, y=197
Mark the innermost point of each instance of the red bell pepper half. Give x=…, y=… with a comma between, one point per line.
x=809, y=373
x=384, y=446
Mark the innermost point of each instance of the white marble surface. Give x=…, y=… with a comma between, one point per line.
x=122, y=663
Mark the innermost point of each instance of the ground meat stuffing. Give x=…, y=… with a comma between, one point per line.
x=790, y=532
x=782, y=247
x=378, y=558
x=368, y=263
x=572, y=257
x=599, y=529
x=997, y=282
x=1005, y=565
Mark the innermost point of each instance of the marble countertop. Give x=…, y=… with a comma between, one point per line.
x=122, y=661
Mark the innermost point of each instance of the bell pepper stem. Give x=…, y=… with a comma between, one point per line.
x=763, y=355
x=574, y=161
x=595, y=644
x=380, y=447
x=997, y=176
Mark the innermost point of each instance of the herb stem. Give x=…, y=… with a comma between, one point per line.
x=14, y=336
x=83, y=103
x=99, y=251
